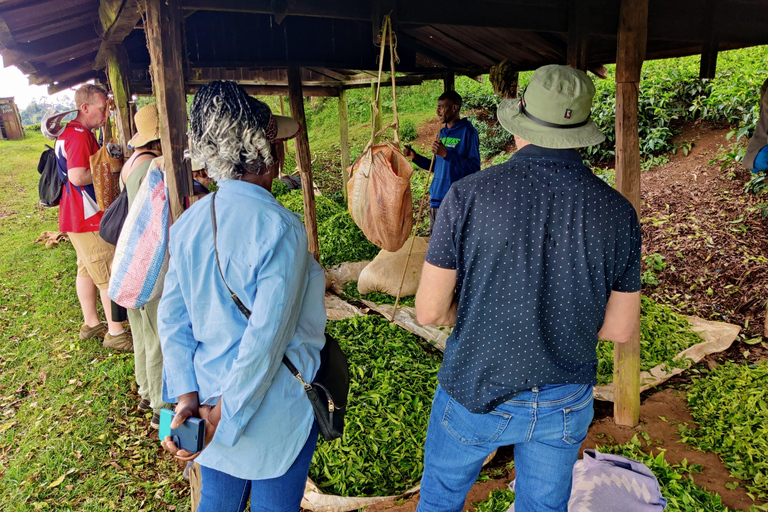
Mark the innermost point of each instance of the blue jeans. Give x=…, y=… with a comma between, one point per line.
x=221, y=492
x=547, y=426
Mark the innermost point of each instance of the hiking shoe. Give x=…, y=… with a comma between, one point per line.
x=155, y=421
x=97, y=331
x=122, y=342
x=144, y=405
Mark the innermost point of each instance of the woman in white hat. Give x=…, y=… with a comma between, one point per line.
x=146, y=342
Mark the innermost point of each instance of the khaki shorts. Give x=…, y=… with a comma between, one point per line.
x=94, y=257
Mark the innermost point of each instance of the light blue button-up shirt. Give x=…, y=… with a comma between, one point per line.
x=210, y=347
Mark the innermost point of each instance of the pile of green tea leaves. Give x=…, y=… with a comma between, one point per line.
x=351, y=293
x=392, y=381
x=675, y=480
x=663, y=335
x=339, y=237
x=730, y=408
x=498, y=501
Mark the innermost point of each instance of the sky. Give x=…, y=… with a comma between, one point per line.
x=14, y=83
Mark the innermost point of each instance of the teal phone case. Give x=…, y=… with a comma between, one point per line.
x=166, y=415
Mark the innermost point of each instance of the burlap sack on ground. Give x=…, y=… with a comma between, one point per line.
x=383, y=274
x=379, y=191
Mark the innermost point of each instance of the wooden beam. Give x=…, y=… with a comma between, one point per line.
x=66, y=84
x=44, y=49
x=632, y=39
x=6, y=38
x=118, y=19
x=78, y=21
x=303, y=158
x=344, y=139
x=163, y=29
x=62, y=71
x=117, y=66
x=577, y=35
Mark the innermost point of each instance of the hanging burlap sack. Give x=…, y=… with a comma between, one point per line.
x=106, y=176
x=383, y=274
x=379, y=191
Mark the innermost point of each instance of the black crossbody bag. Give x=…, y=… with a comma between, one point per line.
x=328, y=391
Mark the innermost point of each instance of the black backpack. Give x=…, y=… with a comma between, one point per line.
x=49, y=187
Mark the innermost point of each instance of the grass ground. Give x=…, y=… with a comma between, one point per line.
x=70, y=438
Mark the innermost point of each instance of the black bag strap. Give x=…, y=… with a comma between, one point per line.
x=243, y=309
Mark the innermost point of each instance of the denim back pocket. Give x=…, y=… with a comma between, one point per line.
x=470, y=428
x=576, y=418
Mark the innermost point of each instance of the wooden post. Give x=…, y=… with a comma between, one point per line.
x=344, y=137
x=163, y=31
x=710, y=47
x=117, y=71
x=376, y=118
x=449, y=81
x=304, y=158
x=632, y=38
x=281, y=169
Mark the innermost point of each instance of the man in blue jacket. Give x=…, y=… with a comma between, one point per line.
x=457, y=153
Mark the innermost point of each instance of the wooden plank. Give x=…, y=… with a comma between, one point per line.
x=163, y=29
x=117, y=66
x=79, y=21
x=303, y=158
x=633, y=25
x=344, y=139
x=66, y=84
x=405, y=317
x=6, y=38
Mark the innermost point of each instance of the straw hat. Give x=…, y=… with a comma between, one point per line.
x=147, y=127
x=553, y=111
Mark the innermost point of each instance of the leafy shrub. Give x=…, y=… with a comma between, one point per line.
x=32, y=128
x=408, y=131
x=493, y=139
x=477, y=95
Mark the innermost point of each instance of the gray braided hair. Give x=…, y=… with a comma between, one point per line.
x=229, y=131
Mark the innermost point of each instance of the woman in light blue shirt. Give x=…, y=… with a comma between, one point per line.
x=261, y=432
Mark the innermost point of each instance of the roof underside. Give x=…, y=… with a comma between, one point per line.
x=57, y=41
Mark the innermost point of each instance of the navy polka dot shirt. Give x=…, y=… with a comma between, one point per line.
x=538, y=244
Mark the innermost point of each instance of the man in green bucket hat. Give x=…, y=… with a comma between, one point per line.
x=533, y=261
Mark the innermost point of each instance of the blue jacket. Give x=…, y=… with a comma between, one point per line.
x=463, y=159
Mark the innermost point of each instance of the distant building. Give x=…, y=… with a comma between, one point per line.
x=10, y=120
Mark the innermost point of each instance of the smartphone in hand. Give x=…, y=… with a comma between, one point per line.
x=189, y=436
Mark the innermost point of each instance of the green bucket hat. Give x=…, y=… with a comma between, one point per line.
x=553, y=111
